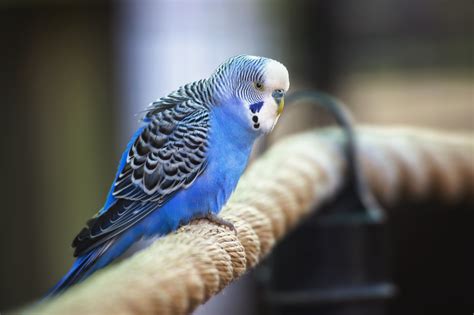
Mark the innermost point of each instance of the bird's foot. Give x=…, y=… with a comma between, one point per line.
x=219, y=221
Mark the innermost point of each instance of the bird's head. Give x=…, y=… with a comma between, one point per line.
x=259, y=85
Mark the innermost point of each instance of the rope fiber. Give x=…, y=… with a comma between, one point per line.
x=182, y=270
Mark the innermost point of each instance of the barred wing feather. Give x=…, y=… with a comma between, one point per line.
x=166, y=157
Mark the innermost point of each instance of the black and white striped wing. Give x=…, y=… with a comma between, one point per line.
x=169, y=155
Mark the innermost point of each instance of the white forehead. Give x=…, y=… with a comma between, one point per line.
x=276, y=75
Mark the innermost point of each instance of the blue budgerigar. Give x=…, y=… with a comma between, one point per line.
x=185, y=161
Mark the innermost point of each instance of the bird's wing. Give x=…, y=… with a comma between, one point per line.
x=169, y=155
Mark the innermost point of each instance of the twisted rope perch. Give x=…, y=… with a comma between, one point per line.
x=179, y=272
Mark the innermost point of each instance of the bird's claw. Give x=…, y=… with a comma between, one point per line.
x=219, y=221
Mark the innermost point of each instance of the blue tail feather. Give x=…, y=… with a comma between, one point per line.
x=95, y=259
x=72, y=274
x=82, y=267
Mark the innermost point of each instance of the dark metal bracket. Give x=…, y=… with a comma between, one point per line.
x=343, y=119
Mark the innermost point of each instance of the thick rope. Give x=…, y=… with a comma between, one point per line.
x=179, y=272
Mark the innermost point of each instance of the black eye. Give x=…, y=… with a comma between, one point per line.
x=259, y=86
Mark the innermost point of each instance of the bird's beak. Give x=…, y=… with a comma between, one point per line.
x=279, y=97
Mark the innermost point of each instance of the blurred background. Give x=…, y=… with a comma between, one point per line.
x=75, y=74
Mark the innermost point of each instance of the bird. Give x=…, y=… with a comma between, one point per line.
x=184, y=161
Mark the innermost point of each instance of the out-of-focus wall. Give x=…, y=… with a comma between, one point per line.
x=391, y=62
x=58, y=149
x=428, y=98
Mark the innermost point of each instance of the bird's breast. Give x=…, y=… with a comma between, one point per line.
x=225, y=167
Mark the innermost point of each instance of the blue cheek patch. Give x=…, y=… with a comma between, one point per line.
x=255, y=108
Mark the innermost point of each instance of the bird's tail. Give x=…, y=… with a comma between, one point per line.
x=82, y=267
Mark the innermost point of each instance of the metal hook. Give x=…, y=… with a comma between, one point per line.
x=343, y=118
